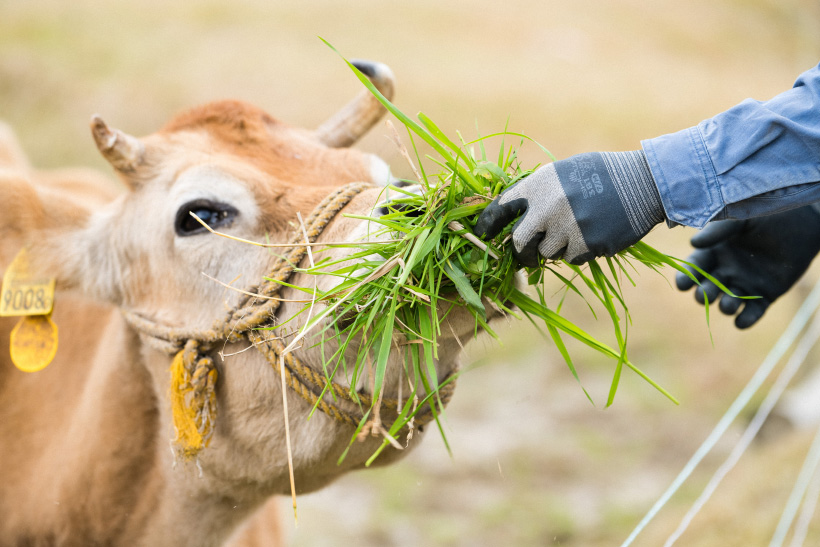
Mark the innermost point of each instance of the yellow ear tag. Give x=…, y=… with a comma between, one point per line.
x=33, y=342
x=34, y=339
x=24, y=294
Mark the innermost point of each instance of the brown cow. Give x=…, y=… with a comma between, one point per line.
x=87, y=455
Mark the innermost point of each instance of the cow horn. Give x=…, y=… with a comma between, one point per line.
x=121, y=150
x=356, y=117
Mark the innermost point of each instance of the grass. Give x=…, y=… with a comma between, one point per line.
x=421, y=262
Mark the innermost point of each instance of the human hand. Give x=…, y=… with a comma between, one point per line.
x=762, y=257
x=589, y=205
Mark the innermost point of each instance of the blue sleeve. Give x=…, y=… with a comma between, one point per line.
x=754, y=159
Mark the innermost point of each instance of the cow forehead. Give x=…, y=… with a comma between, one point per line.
x=287, y=155
x=291, y=155
x=213, y=182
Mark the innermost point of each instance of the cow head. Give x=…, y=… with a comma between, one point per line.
x=245, y=174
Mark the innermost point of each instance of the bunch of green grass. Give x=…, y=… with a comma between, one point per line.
x=429, y=261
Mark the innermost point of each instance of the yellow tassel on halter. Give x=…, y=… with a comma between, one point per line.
x=193, y=400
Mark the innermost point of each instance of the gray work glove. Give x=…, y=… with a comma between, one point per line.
x=589, y=205
x=761, y=256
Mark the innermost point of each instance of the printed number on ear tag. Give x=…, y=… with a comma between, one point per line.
x=33, y=342
x=24, y=294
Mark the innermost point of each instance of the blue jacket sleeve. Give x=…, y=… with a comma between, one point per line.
x=754, y=159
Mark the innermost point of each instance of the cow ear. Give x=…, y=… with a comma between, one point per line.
x=55, y=229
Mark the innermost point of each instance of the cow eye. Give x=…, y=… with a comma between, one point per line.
x=213, y=214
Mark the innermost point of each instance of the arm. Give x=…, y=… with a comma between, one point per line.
x=754, y=159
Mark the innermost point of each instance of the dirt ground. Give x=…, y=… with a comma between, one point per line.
x=533, y=462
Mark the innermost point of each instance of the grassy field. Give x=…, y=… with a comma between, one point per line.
x=533, y=462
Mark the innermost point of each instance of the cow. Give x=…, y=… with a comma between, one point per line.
x=88, y=453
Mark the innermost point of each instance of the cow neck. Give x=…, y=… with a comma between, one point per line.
x=193, y=371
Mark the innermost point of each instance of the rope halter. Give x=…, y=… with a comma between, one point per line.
x=193, y=371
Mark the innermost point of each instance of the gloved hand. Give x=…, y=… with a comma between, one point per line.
x=762, y=256
x=586, y=206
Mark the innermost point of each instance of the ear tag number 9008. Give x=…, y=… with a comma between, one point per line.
x=24, y=294
x=33, y=341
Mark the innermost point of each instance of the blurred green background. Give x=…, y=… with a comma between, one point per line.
x=533, y=462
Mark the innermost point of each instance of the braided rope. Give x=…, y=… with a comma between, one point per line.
x=194, y=374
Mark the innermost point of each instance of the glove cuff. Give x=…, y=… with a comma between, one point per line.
x=636, y=189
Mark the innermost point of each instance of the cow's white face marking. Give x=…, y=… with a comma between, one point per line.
x=208, y=184
x=155, y=269
x=201, y=252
